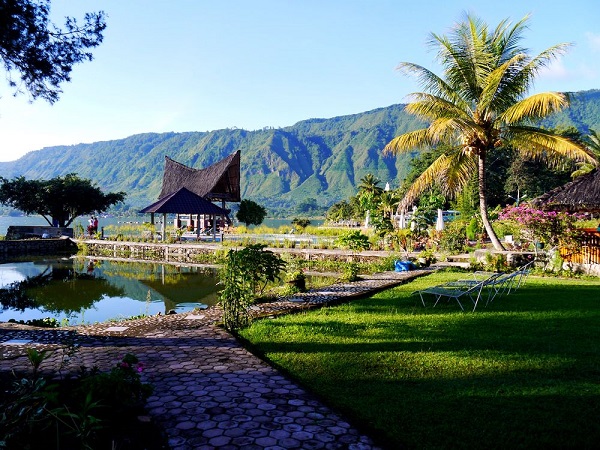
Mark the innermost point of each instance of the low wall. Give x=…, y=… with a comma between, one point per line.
x=147, y=251
x=36, y=247
x=16, y=232
x=194, y=253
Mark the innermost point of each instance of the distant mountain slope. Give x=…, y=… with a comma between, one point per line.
x=317, y=158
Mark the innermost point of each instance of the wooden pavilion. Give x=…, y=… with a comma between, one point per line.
x=580, y=195
x=188, y=193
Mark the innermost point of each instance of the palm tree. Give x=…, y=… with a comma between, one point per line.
x=369, y=191
x=388, y=201
x=593, y=141
x=481, y=105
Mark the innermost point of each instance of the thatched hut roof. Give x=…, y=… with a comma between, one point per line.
x=220, y=181
x=580, y=195
x=184, y=202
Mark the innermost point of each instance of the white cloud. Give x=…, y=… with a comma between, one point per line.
x=593, y=41
x=555, y=71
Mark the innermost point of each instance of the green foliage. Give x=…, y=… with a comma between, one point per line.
x=119, y=388
x=454, y=236
x=76, y=413
x=473, y=229
x=41, y=53
x=244, y=274
x=301, y=223
x=251, y=213
x=60, y=199
x=353, y=240
x=350, y=272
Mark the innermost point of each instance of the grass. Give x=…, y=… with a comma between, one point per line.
x=522, y=373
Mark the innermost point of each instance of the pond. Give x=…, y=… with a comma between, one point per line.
x=85, y=291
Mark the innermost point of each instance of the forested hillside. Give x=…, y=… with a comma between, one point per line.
x=323, y=159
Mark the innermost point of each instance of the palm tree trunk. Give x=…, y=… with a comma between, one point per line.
x=483, y=204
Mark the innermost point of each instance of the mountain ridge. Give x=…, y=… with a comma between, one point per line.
x=322, y=159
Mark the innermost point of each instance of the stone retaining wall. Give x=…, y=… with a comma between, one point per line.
x=194, y=253
x=36, y=247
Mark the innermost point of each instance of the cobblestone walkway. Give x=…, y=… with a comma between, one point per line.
x=209, y=392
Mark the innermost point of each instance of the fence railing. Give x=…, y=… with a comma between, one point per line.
x=589, y=253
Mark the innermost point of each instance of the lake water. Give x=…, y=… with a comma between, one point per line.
x=6, y=221
x=85, y=291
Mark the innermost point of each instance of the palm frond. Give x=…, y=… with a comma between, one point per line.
x=544, y=145
x=451, y=130
x=506, y=39
x=450, y=171
x=499, y=91
x=430, y=82
x=409, y=141
x=431, y=107
x=524, y=78
x=534, y=107
x=461, y=169
x=429, y=177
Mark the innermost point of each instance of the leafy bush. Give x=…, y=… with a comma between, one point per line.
x=454, y=236
x=550, y=228
x=350, y=272
x=86, y=412
x=244, y=274
x=353, y=240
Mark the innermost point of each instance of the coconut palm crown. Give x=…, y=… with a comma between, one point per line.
x=481, y=104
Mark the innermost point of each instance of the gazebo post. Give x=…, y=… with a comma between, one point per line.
x=164, y=225
x=151, y=218
x=198, y=226
x=214, y=220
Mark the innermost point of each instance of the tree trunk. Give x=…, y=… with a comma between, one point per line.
x=483, y=204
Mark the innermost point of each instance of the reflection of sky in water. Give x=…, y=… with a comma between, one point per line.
x=14, y=272
x=107, y=306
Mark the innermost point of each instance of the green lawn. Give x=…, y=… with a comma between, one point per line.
x=522, y=373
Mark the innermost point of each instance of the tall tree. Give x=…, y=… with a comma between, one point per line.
x=251, y=213
x=59, y=200
x=369, y=192
x=39, y=53
x=480, y=104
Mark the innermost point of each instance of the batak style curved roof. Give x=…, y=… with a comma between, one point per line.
x=184, y=202
x=580, y=195
x=220, y=181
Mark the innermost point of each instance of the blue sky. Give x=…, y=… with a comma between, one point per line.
x=199, y=65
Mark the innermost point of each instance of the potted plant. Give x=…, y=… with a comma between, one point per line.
x=426, y=257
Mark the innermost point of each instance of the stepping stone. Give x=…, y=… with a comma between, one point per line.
x=194, y=317
x=116, y=328
x=17, y=342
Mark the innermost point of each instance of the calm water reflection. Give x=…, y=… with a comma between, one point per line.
x=88, y=291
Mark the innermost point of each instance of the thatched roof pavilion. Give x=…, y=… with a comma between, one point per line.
x=220, y=181
x=191, y=191
x=579, y=195
x=184, y=202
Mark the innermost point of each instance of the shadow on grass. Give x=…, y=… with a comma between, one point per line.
x=521, y=373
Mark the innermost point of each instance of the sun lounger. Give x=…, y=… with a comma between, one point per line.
x=459, y=289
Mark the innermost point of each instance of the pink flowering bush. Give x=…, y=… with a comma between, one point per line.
x=551, y=228
x=122, y=386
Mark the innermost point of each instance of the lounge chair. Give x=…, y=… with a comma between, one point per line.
x=458, y=289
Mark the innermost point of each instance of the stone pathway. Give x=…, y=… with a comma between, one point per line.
x=209, y=392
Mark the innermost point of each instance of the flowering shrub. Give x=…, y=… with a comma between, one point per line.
x=121, y=387
x=551, y=228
